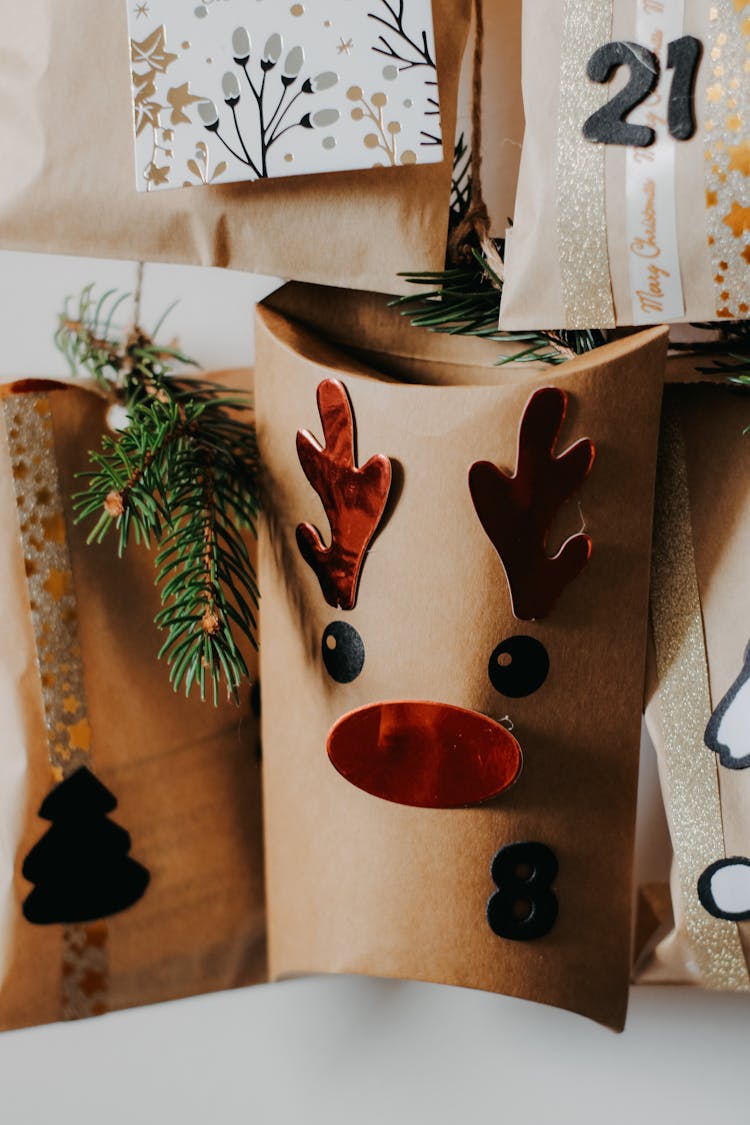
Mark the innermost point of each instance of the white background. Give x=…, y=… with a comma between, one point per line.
x=341, y=1051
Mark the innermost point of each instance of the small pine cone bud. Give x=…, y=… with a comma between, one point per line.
x=211, y=624
x=114, y=506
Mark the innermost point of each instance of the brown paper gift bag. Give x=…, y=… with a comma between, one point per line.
x=80, y=687
x=499, y=126
x=67, y=185
x=697, y=711
x=359, y=884
x=632, y=205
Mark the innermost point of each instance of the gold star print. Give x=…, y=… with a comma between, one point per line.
x=739, y=158
x=57, y=584
x=79, y=736
x=142, y=10
x=70, y=705
x=738, y=219
x=54, y=528
x=345, y=47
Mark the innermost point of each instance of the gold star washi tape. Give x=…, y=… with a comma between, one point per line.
x=50, y=580
x=727, y=156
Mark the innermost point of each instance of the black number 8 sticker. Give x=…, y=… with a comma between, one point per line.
x=525, y=906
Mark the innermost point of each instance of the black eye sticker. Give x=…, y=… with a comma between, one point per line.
x=343, y=652
x=519, y=667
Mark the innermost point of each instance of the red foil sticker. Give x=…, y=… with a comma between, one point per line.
x=517, y=512
x=354, y=499
x=426, y=755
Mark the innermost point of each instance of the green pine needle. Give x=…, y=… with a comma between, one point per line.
x=465, y=301
x=461, y=181
x=734, y=363
x=182, y=476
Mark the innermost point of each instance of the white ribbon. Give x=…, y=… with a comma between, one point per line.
x=653, y=247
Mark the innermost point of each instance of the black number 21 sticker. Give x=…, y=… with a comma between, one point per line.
x=609, y=126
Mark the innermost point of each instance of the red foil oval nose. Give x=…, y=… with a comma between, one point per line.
x=427, y=755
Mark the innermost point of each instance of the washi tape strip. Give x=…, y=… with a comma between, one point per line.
x=54, y=616
x=684, y=693
x=582, y=215
x=727, y=157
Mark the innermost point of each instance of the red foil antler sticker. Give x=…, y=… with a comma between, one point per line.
x=354, y=499
x=517, y=512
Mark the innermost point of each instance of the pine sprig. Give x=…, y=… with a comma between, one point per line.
x=182, y=475
x=465, y=301
x=205, y=572
x=464, y=298
x=736, y=367
x=460, y=181
x=124, y=366
x=127, y=487
x=734, y=361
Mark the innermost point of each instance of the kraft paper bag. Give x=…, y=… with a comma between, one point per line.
x=66, y=127
x=501, y=120
x=362, y=884
x=631, y=214
x=698, y=670
x=80, y=686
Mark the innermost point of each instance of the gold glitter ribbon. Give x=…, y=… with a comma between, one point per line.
x=52, y=602
x=727, y=153
x=692, y=782
x=581, y=208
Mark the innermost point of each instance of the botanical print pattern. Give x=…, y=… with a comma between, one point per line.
x=384, y=134
x=408, y=48
x=229, y=90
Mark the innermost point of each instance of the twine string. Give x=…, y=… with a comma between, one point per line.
x=138, y=296
x=474, y=227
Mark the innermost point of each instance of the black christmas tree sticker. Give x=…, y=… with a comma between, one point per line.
x=81, y=868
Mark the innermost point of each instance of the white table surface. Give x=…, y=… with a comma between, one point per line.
x=333, y=1051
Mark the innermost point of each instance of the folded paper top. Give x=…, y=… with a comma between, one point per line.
x=68, y=187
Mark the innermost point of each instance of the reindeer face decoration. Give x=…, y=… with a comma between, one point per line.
x=423, y=753
x=406, y=692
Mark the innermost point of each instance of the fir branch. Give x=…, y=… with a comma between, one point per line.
x=464, y=298
x=205, y=572
x=460, y=182
x=465, y=301
x=734, y=345
x=121, y=367
x=181, y=475
x=735, y=366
